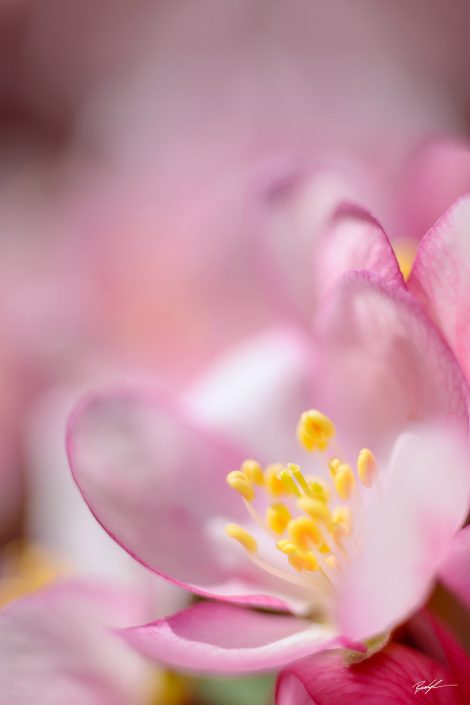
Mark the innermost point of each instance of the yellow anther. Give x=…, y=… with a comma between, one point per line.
x=303, y=560
x=303, y=531
x=319, y=490
x=344, y=481
x=238, y=481
x=286, y=546
x=342, y=522
x=405, y=251
x=277, y=518
x=253, y=471
x=334, y=464
x=366, y=467
x=315, y=508
x=242, y=536
x=289, y=484
x=298, y=477
x=273, y=483
x=315, y=430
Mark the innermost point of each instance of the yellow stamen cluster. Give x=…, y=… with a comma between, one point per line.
x=311, y=532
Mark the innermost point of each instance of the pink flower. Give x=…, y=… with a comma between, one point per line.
x=432, y=667
x=349, y=556
x=57, y=646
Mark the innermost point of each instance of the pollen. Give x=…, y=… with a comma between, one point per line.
x=304, y=531
x=344, y=481
x=242, y=536
x=273, y=483
x=239, y=482
x=253, y=471
x=277, y=518
x=366, y=467
x=315, y=430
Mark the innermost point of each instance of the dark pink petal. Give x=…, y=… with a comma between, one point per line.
x=405, y=533
x=455, y=570
x=227, y=639
x=389, y=678
x=157, y=484
x=383, y=364
x=56, y=647
x=353, y=239
x=441, y=278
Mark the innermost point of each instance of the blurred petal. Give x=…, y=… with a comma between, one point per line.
x=156, y=482
x=257, y=392
x=407, y=533
x=56, y=646
x=382, y=364
x=227, y=639
x=438, y=173
x=441, y=278
x=388, y=677
x=353, y=239
x=455, y=570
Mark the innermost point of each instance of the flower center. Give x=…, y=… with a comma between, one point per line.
x=309, y=519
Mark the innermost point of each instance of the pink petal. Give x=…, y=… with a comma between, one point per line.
x=256, y=393
x=295, y=209
x=382, y=363
x=353, y=239
x=455, y=570
x=56, y=647
x=227, y=639
x=156, y=483
x=441, y=278
x=438, y=173
x=386, y=678
x=406, y=533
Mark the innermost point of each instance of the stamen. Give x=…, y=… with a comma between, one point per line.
x=366, y=467
x=315, y=430
x=278, y=517
x=303, y=532
x=316, y=509
x=242, y=536
x=300, y=479
x=238, y=481
x=318, y=489
x=342, y=522
x=273, y=483
x=289, y=484
x=344, y=481
x=253, y=471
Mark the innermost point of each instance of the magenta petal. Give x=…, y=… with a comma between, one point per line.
x=441, y=277
x=352, y=240
x=384, y=363
x=56, y=647
x=156, y=483
x=387, y=678
x=455, y=570
x=221, y=638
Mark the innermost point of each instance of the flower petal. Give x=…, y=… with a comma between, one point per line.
x=382, y=364
x=227, y=639
x=256, y=393
x=56, y=645
x=156, y=482
x=388, y=677
x=441, y=278
x=406, y=532
x=455, y=570
x=353, y=239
